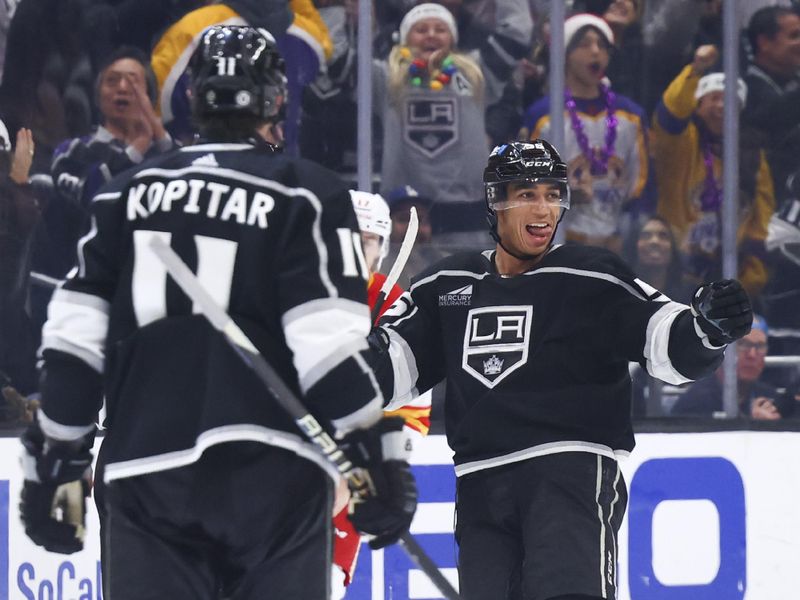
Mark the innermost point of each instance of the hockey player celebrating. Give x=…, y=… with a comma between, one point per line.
x=205, y=487
x=534, y=341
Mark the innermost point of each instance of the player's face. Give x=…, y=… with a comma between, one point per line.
x=588, y=60
x=528, y=227
x=116, y=94
x=427, y=36
x=654, y=246
x=372, y=249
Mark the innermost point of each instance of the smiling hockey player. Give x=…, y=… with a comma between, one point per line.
x=534, y=341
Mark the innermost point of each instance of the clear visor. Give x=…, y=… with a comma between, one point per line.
x=521, y=192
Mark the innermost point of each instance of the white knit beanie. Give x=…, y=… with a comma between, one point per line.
x=715, y=82
x=428, y=10
x=579, y=21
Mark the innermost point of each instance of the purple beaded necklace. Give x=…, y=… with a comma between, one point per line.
x=599, y=163
x=711, y=196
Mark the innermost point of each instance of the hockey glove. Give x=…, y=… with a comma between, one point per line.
x=385, y=506
x=722, y=311
x=57, y=482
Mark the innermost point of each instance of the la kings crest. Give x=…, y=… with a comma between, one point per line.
x=496, y=341
x=430, y=124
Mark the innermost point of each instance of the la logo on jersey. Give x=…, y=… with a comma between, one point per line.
x=430, y=125
x=496, y=341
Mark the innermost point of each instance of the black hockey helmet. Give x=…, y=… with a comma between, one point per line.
x=237, y=70
x=516, y=162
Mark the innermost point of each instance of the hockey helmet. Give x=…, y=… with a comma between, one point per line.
x=535, y=162
x=372, y=213
x=237, y=69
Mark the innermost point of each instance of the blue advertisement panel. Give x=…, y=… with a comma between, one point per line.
x=711, y=516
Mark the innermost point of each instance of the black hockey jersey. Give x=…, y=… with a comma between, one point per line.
x=275, y=241
x=537, y=363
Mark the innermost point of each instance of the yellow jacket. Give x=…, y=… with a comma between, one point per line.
x=172, y=52
x=680, y=177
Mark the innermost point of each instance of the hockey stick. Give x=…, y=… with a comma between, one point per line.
x=45, y=280
x=399, y=263
x=307, y=423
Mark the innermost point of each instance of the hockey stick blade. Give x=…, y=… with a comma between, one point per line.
x=399, y=262
x=307, y=423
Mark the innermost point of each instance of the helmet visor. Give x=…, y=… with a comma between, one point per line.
x=522, y=192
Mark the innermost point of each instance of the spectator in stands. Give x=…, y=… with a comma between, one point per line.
x=655, y=258
x=687, y=145
x=431, y=99
x=626, y=63
x=47, y=79
x=130, y=129
x=328, y=131
x=401, y=200
x=757, y=399
x=19, y=213
x=773, y=86
x=782, y=292
x=605, y=142
x=425, y=253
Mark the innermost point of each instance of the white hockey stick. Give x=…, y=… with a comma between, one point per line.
x=305, y=421
x=399, y=262
x=45, y=280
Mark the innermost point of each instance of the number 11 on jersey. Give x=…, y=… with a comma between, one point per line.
x=215, y=262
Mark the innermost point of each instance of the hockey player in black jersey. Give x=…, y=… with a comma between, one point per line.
x=205, y=486
x=534, y=341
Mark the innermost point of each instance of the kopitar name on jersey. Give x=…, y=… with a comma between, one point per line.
x=213, y=199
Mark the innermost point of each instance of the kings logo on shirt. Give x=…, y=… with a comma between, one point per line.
x=496, y=342
x=430, y=124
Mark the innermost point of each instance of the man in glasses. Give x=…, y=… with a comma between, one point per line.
x=757, y=399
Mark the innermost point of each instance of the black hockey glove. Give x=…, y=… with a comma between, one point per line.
x=57, y=482
x=385, y=506
x=722, y=310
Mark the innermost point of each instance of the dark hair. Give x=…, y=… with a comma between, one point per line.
x=765, y=22
x=133, y=53
x=675, y=269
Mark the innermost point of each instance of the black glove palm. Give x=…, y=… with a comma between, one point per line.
x=722, y=310
x=57, y=482
x=385, y=505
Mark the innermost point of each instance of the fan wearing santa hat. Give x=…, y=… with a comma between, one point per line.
x=605, y=138
x=431, y=99
x=687, y=146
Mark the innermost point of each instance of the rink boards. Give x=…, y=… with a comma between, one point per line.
x=711, y=516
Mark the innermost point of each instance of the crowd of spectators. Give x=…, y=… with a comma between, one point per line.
x=90, y=88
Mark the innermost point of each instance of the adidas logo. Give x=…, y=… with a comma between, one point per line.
x=459, y=297
x=207, y=160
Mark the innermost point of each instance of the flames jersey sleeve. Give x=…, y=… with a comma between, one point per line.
x=275, y=242
x=537, y=363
